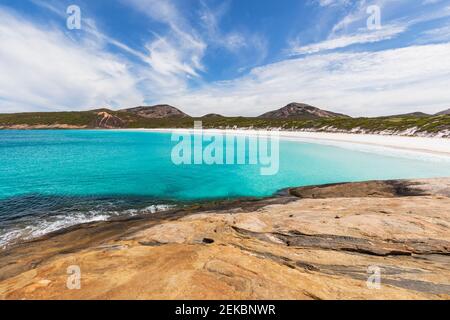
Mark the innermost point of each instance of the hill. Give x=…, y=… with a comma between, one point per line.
x=301, y=111
x=157, y=112
x=412, y=114
x=168, y=117
x=443, y=112
x=213, y=115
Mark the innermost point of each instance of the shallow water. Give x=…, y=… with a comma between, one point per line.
x=52, y=179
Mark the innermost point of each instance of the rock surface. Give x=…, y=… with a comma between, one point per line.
x=108, y=121
x=307, y=243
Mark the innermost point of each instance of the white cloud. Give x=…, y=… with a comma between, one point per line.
x=425, y=2
x=359, y=84
x=179, y=51
x=357, y=17
x=170, y=60
x=42, y=69
x=386, y=33
x=249, y=48
x=176, y=55
x=352, y=28
x=47, y=70
x=90, y=28
x=232, y=40
x=440, y=34
x=330, y=3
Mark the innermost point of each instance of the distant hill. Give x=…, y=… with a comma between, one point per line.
x=301, y=111
x=412, y=114
x=213, y=115
x=157, y=112
x=443, y=112
x=294, y=117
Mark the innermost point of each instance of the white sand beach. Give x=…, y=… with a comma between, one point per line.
x=413, y=146
x=438, y=146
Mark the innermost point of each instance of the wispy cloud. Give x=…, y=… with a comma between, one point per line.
x=249, y=48
x=175, y=55
x=386, y=33
x=181, y=49
x=90, y=28
x=431, y=1
x=210, y=19
x=360, y=84
x=352, y=28
x=47, y=70
x=356, y=17
x=172, y=59
x=238, y=42
x=331, y=3
x=440, y=34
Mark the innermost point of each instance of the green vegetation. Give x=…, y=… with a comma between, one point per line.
x=48, y=118
x=428, y=124
x=89, y=119
x=74, y=118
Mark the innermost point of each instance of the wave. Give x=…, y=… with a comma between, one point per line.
x=38, y=226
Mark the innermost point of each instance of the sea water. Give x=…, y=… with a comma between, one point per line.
x=52, y=179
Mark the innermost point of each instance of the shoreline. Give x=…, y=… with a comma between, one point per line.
x=375, y=143
x=425, y=145
x=431, y=145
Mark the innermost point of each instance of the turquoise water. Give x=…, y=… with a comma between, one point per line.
x=51, y=179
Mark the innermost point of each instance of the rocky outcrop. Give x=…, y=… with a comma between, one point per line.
x=157, y=112
x=319, y=242
x=301, y=111
x=108, y=121
x=376, y=188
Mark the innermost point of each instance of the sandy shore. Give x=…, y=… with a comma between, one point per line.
x=318, y=242
x=366, y=142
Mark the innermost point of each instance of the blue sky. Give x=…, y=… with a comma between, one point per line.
x=235, y=57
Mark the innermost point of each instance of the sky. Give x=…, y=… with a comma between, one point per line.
x=233, y=57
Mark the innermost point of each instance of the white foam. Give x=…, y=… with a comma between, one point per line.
x=59, y=222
